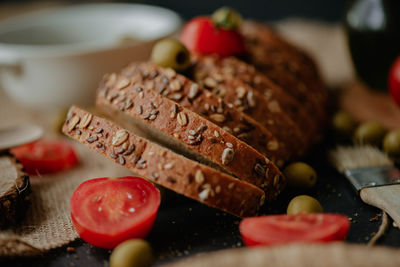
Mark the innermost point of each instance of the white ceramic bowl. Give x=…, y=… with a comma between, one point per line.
x=57, y=57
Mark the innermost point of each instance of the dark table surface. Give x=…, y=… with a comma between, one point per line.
x=185, y=227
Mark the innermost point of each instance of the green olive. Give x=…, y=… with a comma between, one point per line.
x=227, y=18
x=369, y=133
x=304, y=204
x=343, y=123
x=171, y=53
x=300, y=175
x=391, y=143
x=132, y=253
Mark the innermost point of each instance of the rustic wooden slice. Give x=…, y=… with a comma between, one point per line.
x=297, y=255
x=14, y=191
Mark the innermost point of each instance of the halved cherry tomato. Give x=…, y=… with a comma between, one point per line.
x=108, y=211
x=282, y=229
x=201, y=36
x=45, y=156
x=394, y=81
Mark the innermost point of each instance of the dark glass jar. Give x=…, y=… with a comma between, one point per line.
x=373, y=34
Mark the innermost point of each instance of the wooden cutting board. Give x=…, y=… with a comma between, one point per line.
x=298, y=255
x=365, y=104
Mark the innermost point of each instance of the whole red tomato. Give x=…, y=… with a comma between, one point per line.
x=202, y=36
x=394, y=81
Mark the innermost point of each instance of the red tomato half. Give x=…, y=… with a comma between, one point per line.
x=394, y=81
x=108, y=211
x=45, y=156
x=201, y=36
x=282, y=229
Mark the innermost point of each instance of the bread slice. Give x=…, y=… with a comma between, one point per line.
x=215, y=67
x=190, y=95
x=287, y=66
x=14, y=191
x=161, y=120
x=162, y=166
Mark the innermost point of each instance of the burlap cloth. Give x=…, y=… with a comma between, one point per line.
x=47, y=224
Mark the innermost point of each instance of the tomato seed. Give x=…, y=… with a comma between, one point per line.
x=96, y=199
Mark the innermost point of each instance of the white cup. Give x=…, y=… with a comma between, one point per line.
x=57, y=57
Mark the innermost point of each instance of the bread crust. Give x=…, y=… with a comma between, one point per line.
x=163, y=166
x=286, y=65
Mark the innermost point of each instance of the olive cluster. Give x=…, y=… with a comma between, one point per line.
x=370, y=132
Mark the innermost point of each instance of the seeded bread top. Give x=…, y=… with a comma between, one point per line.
x=163, y=166
x=214, y=66
x=267, y=112
x=190, y=95
x=191, y=130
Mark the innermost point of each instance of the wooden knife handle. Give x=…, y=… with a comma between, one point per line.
x=385, y=197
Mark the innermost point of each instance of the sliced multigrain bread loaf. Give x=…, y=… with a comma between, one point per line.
x=287, y=66
x=163, y=166
x=190, y=95
x=267, y=112
x=215, y=66
x=166, y=122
